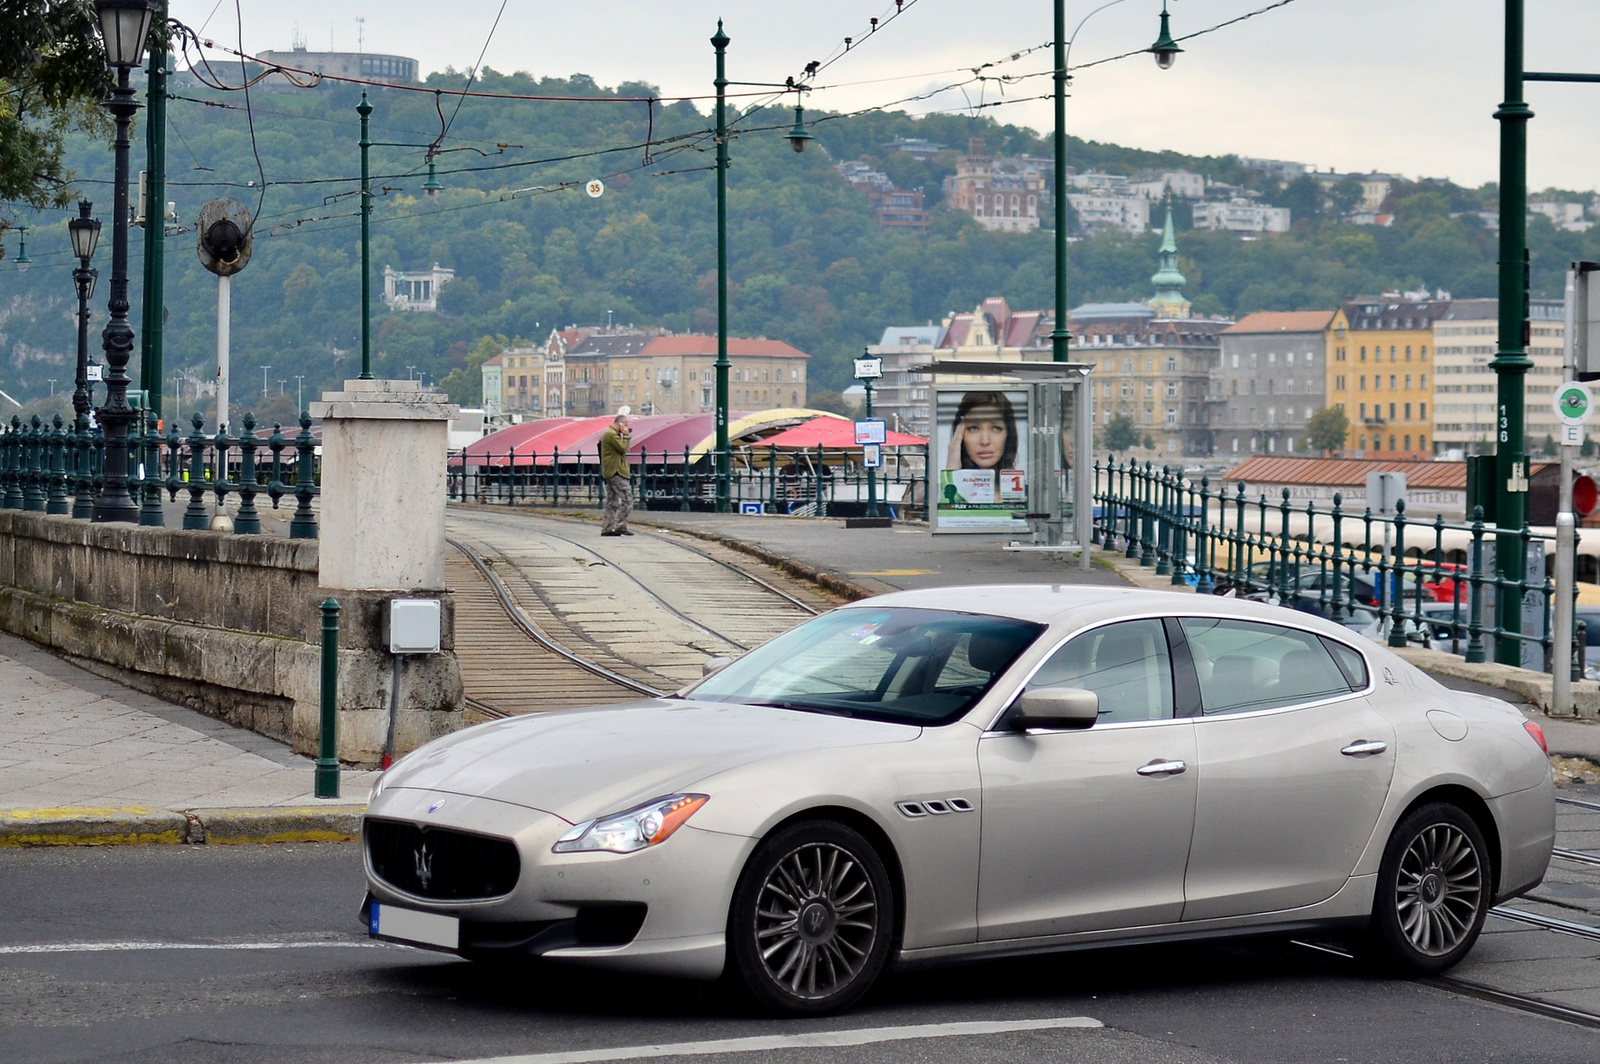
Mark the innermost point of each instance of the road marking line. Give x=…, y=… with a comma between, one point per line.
x=114, y=947
x=761, y=1043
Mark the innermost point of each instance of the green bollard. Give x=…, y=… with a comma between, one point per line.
x=328, y=758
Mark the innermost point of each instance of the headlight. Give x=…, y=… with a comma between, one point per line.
x=644, y=825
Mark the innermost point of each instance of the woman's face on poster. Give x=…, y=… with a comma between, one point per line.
x=983, y=434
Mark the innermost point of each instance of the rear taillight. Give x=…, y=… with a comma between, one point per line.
x=1538, y=735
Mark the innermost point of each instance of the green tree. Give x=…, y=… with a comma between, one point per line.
x=1119, y=434
x=53, y=76
x=1327, y=429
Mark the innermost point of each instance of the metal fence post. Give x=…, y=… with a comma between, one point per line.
x=304, y=523
x=194, y=515
x=57, y=494
x=683, y=504
x=1395, y=585
x=1475, y=652
x=249, y=521
x=328, y=746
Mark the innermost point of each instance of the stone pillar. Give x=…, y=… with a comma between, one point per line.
x=384, y=446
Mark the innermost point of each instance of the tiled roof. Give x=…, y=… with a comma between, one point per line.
x=1351, y=472
x=1472, y=310
x=1346, y=472
x=696, y=344
x=1273, y=321
x=625, y=344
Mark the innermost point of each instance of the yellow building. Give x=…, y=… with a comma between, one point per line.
x=1380, y=373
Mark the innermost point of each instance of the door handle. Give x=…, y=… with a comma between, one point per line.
x=1159, y=767
x=1365, y=748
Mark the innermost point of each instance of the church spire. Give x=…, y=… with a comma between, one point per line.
x=1168, y=300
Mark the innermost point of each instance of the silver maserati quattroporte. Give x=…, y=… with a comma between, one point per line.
x=975, y=771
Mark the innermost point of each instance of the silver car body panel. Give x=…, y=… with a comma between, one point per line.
x=1074, y=839
x=1275, y=771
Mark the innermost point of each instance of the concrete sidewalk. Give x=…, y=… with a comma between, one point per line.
x=85, y=760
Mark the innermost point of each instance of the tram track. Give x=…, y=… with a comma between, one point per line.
x=648, y=608
x=618, y=622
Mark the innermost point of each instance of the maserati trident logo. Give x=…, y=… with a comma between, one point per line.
x=424, y=865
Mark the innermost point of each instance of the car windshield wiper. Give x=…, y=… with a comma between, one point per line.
x=808, y=707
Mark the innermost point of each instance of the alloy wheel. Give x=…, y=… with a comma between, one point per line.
x=1439, y=889
x=817, y=920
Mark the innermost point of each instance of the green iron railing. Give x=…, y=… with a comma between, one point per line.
x=1431, y=582
x=815, y=482
x=56, y=470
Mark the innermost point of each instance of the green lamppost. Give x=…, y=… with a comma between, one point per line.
x=1165, y=50
x=1511, y=362
x=151, y=336
x=797, y=139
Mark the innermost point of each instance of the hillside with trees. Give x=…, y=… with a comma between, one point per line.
x=531, y=251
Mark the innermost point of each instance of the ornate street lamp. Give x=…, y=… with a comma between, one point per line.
x=124, y=28
x=85, y=234
x=1165, y=49
x=23, y=262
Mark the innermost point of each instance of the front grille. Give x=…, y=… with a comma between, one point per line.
x=440, y=863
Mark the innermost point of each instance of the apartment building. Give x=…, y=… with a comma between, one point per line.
x=677, y=375
x=1003, y=194
x=1465, y=386
x=1380, y=371
x=1268, y=380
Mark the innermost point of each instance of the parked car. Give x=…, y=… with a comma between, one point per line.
x=945, y=774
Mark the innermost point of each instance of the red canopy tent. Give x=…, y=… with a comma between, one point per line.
x=832, y=433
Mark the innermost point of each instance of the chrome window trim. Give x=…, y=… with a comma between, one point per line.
x=992, y=729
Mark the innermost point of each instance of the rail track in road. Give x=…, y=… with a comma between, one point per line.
x=1581, y=824
x=550, y=615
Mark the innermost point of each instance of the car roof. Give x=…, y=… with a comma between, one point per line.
x=1086, y=603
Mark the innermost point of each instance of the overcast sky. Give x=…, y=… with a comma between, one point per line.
x=1405, y=86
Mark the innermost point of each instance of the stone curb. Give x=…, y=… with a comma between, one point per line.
x=140, y=826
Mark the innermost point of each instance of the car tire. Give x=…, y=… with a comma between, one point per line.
x=812, y=921
x=1434, y=890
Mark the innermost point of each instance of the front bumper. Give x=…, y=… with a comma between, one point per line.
x=662, y=910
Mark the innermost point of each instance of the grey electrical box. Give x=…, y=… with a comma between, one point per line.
x=414, y=626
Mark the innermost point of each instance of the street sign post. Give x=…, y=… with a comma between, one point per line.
x=870, y=432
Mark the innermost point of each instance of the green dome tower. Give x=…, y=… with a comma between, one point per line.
x=1168, y=300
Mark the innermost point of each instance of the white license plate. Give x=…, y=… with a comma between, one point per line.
x=410, y=925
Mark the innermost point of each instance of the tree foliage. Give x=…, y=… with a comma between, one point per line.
x=1326, y=429
x=53, y=76
x=1119, y=434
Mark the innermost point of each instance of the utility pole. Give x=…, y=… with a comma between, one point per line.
x=1511, y=361
x=364, y=109
x=720, y=43
x=299, y=391
x=264, y=381
x=1059, y=337
x=155, y=220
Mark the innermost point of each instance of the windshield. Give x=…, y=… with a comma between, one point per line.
x=908, y=666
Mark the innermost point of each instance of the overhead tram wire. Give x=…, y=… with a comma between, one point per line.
x=693, y=138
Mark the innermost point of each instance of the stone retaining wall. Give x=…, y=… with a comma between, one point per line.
x=227, y=624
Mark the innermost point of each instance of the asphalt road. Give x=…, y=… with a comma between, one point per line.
x=283, y=974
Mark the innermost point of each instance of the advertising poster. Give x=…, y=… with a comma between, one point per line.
x=979, y=459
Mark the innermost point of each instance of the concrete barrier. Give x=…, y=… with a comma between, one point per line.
x=223, y=623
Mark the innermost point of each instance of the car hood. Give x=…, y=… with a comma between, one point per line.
x=583, y=763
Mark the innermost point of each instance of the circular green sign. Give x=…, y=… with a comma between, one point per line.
x=1572, y=402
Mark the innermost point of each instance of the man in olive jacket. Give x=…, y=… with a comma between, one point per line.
x=614, y=471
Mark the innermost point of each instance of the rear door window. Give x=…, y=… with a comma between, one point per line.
x=1246, y=665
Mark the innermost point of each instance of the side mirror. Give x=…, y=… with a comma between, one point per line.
x=714, y=664
x=1054, y=709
